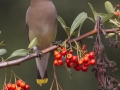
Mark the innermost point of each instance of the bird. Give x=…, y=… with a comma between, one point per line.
x=41, y=22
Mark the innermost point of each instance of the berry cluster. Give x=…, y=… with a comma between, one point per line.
x=20, y=85
x=73, y=61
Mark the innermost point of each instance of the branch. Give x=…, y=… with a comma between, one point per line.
x=31, y=56
x=55, y=77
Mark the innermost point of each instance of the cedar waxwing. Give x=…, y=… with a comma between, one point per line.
x=41, y=23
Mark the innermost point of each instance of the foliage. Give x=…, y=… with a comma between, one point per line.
x=97, y=57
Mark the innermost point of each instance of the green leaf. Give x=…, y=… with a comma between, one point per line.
x=2, y=44
x=61, y=21
x=2, y=51
x=75, y=34
x=78, y=20
x=94, y=11
x=33, y=43
x=114, y=23
x=2, y=59
x=80, y=28
x=67, y=30
x=91, y=19
x=102, y=15
x=19, y=52
x=118, y=19
x=110, y=35
x=63, y=24
x=109, y=7
x=107, y=17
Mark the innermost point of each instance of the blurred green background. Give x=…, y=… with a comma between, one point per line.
x=12, y=25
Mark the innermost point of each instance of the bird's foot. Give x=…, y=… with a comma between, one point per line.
x=39, y=53
x=59, y=43
x=35, y=50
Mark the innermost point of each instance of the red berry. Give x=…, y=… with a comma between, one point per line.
x=56, y=62
x=75, y=64
x=5, y=88
x=86, y=59
x=87, y=64
x=58, y=56
x=83, y=47
x=63, y=48
x=9, y=86
x=27, y=87
x=71, y=64
x=69, y=56
x=87, y=55
x=68, y=65
x=22, y=85
x=18, y=88
x=68, y=61
x=80, y=62
x=84, y=69
x=56, y=52
x=64, y=52
x=92, y=61
x=92, y=55
x=60, y=62
x=74, y=58
x=85, y=51
x=70, y=51
x=13, y=86
x=19, y=82
x=77, y=68
x=117, y=13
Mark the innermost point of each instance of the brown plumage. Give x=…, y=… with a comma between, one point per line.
x=41, y=23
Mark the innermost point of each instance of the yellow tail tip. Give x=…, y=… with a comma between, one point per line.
x=42, y=81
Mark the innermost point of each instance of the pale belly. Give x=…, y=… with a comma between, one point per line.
x=45, y=38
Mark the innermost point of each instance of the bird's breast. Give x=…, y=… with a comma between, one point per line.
x=42, y=24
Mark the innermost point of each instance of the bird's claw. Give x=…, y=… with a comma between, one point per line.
x=59, y=43
x=39, y=53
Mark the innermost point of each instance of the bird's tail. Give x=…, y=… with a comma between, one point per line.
x=41, y=81
x=42, y=77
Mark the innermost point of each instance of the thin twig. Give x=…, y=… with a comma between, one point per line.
x=55, y=77
x=51, y=48
x=52, y=84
